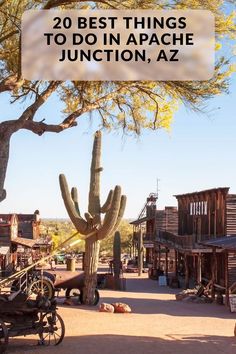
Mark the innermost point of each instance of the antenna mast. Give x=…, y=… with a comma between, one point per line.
x=158, y=180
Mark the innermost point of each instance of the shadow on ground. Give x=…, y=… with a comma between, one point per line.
x=115, y=344
x=166, y=307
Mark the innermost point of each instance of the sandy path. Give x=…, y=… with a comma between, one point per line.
x=159, y=324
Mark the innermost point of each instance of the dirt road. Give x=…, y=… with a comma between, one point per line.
x=158, y=324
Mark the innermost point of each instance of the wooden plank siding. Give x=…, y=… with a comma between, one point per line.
x=231, y=268
x=231, y=214
x=167, y=220
x=204, y=213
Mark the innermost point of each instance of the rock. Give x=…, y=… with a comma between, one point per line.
x=121, y=307
x=104, y=307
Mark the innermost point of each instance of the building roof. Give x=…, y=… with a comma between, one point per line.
x=226, y=189
x=43, y=242
x=24, y=242
x=141, y=220
x=226, y=243
x=28, y=217
x=6, y=219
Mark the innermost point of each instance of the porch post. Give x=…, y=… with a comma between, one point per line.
x=214, y=272
x=199, y=268
x=159, y=257
x=226, y=279
x=176, y=263
x=166, y=263
x=186, y=271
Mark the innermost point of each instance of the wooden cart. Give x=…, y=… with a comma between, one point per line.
x=22, y=317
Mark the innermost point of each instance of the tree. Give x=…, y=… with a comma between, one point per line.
x=126, y=232
x=131, y=106
x=92, y=228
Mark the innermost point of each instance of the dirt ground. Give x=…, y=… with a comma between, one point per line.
x=158, y=324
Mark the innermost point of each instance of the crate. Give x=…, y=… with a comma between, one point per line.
x=232, y=302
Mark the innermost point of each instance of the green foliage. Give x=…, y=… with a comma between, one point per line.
x=131, y=106
x=127, y=105
x=125, y=230
x=59, y=231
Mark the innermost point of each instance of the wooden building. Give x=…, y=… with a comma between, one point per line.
x=8, y=233
x=227, y=248
x=164, y=258
x=5, y=260
x=8, y=228
x=149, y=223
x=18, y=238
x=144, y=228
x=29, y=225
x=202, y=217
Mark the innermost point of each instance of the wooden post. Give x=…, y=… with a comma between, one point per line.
x=140, y=253
x=226, y=279
x=167, y=268
x=195, y=267
x=176, y=263
x=159, y=257
x=214, y=272
x=199, y=268
x=186, y=271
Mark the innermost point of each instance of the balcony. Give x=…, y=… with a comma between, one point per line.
x=149, y=237
x=181, y=242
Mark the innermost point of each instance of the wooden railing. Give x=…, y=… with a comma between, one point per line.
x=184, y=242
x=149, y=237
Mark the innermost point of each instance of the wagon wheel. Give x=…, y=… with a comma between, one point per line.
x=73, y=293
x=43, y=287
x=53, y=330
x=96, y=297
x=3, y=337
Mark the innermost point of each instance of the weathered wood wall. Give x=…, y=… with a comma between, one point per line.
x=232, y=268
x=167, y=220
x=231, y=214
x=203, y=213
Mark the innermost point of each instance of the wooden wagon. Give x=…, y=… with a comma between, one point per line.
x=20, y=316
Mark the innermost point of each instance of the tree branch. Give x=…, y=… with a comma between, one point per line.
x=40, y=128
x=10, y=83
x=29, y=113
x=55, y=3
x=9, y=35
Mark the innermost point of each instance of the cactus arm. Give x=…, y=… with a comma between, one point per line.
x=111, y=216
x=121, y=212
x=80, y=224
x=88, y=217
x=106, y=206
x=74, y=196
x=95, y=171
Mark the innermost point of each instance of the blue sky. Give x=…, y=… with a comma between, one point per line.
x=198, y=153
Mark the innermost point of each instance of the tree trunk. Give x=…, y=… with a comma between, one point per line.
x=92, y=247
x=4, y=157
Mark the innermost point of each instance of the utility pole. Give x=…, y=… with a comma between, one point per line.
x=158, y=190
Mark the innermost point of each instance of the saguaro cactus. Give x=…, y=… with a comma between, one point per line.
x=92, y=227
x=117, y=259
